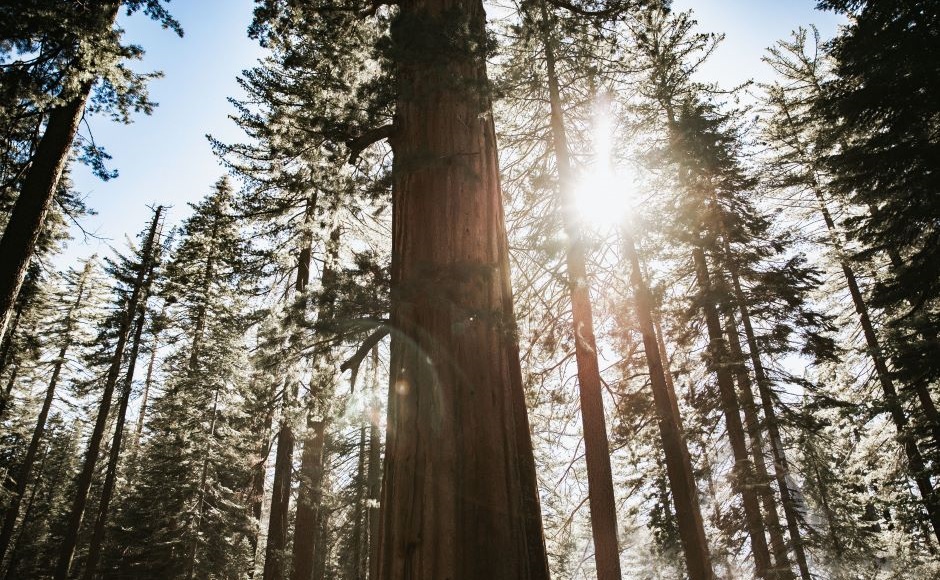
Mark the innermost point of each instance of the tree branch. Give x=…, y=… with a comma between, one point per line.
x=614, y=10
x=367, y=345
x=358, y=145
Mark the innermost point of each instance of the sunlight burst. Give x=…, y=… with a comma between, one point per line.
x=602, y=193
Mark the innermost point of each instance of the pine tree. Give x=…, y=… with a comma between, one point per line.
x=187, y=494
x=126, y=317
x=21, y=479
x=74, y=58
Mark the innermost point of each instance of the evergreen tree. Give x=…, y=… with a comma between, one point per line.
x=60, y=53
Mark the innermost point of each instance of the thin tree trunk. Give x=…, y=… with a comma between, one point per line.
x=27, y=513
x=107, y=490
x=596, y=447
x=678, y=463
x=201, y=500
x=8, y=339
x=743, y=477
x=309, y=500
x=8, y=390
x=782, y=566
x=459, y=486
x=781, y=466
x=148, y=381
x=915, y=460
x=39, y=187
x=83, y=483
x=275, y=557
x=360, y=524
x=256, y=490
x=22, y=476
x=375, y=468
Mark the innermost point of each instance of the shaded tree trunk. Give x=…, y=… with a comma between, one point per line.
x=39, y=187
x=309, y=500
x=107, y=490
x=781, y=466
x=275, y=557
x=459, y=493
x=743, y=476
x=25, y=470
x=782, y=566
x=83, y=483
x=678, y=463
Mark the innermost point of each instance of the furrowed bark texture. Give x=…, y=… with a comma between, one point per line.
x=678, y=462
x=743, y=476
x=459, y=492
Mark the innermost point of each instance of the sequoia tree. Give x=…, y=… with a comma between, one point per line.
x=459, y=492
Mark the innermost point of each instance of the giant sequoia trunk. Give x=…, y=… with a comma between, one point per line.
x=459, y=497
x=743, y=474
x=83, y=483
x=25, y=469
x=39, y=186
x=594, y=424
x=678, y=463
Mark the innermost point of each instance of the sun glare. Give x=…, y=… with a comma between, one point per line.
x=602, y=193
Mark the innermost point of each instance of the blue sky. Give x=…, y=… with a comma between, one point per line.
x=165, y=158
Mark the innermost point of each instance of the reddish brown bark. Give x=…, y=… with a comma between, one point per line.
x=594, y=424
x=456, y=500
